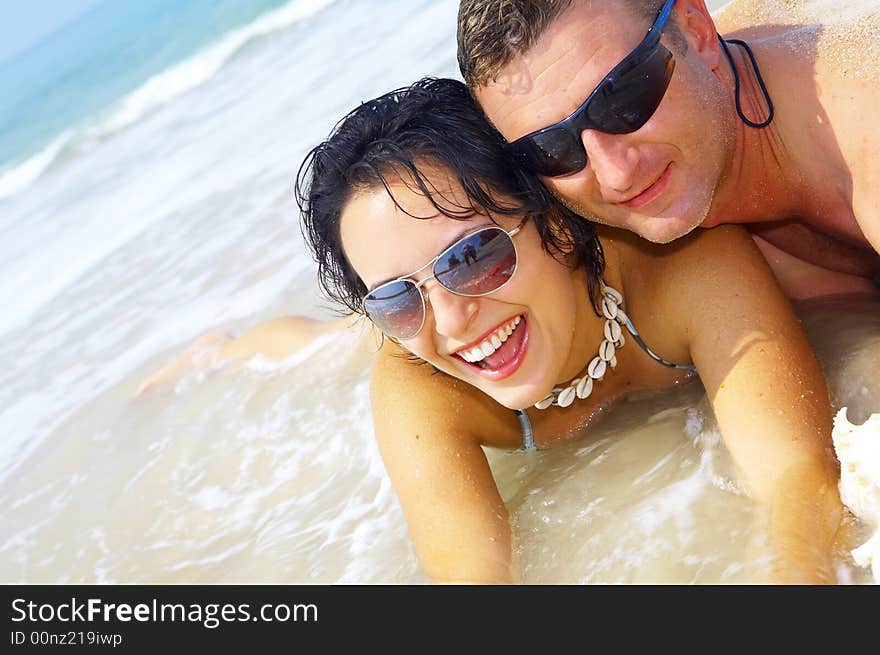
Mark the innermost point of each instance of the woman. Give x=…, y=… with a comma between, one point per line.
x=529, y=315
x=540, y=300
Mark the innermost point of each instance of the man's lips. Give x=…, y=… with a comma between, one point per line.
x=651, y=192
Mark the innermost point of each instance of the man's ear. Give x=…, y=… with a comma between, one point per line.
x=698, y=29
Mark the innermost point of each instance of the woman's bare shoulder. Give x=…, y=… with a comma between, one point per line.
x=406, y=391
x=652, y=267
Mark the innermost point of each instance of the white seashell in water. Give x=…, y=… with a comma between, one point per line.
x=584, y=387
x=596, y=369
x=544, y=404
x=609, y=308
x=566, y=397
x=614, y=293
x=612, y=331
x=606, y=351
x=858, y=449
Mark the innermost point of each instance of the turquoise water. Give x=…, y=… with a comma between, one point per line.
x=81, y=71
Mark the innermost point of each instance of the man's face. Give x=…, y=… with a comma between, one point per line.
x=658, y=181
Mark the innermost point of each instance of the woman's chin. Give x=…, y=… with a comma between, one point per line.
x=516, y=399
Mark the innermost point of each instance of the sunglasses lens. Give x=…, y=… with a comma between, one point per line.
x=396, y=308
x=551, y=153
x=631, y=95
x=622, y=103
x=478, y=264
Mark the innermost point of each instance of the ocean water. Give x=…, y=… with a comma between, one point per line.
x=147, y=157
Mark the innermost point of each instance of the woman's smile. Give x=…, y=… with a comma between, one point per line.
x=512, y=343
x=499, y=353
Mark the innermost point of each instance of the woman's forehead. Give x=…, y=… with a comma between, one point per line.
x=430, y=185
x=386, y=237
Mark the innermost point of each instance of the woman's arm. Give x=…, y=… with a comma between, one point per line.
x=767, y=390
x=425, y=427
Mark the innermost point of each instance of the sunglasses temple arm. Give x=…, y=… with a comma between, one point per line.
x=653, y=35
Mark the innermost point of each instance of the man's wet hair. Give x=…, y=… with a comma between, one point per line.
x=403, y=136
x=492, y=33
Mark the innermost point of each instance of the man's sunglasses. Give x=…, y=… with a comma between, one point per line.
x=622, y=102
x=476, y=265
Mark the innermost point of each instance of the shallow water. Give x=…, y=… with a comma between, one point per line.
x=269, y=473
x=130, y=245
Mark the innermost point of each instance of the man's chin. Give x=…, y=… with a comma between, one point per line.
x=664, y=234
x=654, y=229
x=663, y=229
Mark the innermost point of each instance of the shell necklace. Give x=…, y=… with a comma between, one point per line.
x=582, y=387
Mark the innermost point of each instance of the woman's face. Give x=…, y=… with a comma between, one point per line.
x=382, y=243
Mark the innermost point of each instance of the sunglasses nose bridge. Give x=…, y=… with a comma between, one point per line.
x=424, y=280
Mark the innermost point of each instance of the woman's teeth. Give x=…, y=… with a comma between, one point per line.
x=490, y=344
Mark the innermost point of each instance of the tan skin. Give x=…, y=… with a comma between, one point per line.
x=806, y=185
x=750, y=351
x=760, y=374
x=764, y=383
x=276, y=339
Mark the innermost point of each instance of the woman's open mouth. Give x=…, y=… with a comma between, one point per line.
x=501, y=352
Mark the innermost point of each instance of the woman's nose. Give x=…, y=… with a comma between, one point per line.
x=453, y=314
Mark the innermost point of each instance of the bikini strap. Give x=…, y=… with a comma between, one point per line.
x=657, y=358
x=526, y=425
x=635, y=335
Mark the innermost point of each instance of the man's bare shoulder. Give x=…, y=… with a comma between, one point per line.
x=745, y=15
x=836, y=36
x=740, y=15
x=837, y=33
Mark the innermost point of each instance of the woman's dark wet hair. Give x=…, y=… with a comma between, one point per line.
x=388, y=140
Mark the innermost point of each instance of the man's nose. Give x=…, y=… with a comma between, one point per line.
x=613, y=161
x=453, y=314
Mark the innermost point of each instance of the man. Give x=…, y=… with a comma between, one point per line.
x=766, y=127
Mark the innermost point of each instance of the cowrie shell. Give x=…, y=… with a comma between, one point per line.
x=609, y=308
x=616, y=296
x=596, y=369
x=607, y=355
x=566, y=397
x=544, y=404
x=612, y=330
x=584, y=387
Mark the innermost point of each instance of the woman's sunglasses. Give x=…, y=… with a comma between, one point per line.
x=476, y=265
x=621, y=103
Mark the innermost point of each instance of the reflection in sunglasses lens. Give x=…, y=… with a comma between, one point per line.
x=478, y=264
x=396, y=308
x=559, y=152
